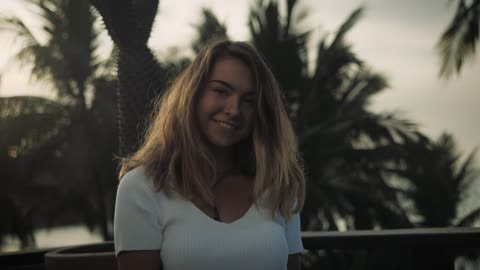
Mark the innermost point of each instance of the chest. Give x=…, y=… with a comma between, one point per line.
x=192, y=240
x=232, y=199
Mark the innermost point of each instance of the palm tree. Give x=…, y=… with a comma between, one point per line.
x=36, y=130
x=348, y=150
x=282, y=44
x=355, y=158
x=61, y=60
x=440, y=182
x=141, y=77
x=68, y=61
x=208, y=29
x=459, y=41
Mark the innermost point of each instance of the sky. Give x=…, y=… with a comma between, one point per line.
x=395, y=38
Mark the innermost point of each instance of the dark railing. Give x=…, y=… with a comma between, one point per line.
x=398, y=238
x=425, y=242
x=422, y=248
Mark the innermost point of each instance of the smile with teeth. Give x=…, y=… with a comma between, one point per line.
x=225, y=125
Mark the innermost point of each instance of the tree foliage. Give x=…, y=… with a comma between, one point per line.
x=65, y=145
x=349, y=151
x=210, y=28
x=459, y=41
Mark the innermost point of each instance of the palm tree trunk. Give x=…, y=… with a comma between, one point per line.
x=140, y=81
x=129, y=24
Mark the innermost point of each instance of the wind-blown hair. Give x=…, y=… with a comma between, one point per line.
x=175, y=156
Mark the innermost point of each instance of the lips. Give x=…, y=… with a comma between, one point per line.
x=228, y=125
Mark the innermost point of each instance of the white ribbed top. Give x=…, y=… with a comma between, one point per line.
x=189, y=239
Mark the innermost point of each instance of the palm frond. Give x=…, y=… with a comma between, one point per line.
x=210, y=28
x=31, y=122
x=361, y=88
x=17, y=26
x=467, y=172
x=459, y=41
x=354, y=17
x=469, y=219
x=30, y=48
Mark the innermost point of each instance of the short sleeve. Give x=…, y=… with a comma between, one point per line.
x=293, y=234
x=137, y=223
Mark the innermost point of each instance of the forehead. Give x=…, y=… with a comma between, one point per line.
x=234, y=72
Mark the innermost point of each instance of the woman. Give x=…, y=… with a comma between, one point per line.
x=217, y=183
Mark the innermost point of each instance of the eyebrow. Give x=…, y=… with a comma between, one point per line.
x=228, y=85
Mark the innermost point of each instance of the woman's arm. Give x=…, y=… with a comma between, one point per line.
x=294, y=262
x=143, y=259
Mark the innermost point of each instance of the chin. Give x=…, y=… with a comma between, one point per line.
x=222, y=143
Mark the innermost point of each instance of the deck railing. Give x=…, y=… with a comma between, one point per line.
x=425, y=244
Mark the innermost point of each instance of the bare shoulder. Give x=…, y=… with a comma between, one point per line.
x=141, y=259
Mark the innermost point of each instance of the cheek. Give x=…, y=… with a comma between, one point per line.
x=209, y=104
x=204, y=106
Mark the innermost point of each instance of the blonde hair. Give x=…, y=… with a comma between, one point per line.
x=175, y=157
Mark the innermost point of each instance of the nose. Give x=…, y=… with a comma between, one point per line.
x=232, y=106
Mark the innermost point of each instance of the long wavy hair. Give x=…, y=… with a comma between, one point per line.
x=176, y=157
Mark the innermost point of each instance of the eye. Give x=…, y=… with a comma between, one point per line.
x=220, y=91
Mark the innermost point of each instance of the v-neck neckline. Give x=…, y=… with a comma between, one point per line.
x=210, y=219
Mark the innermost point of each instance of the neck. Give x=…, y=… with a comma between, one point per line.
x=223, y=159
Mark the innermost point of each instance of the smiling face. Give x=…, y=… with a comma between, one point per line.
x=226, y=105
